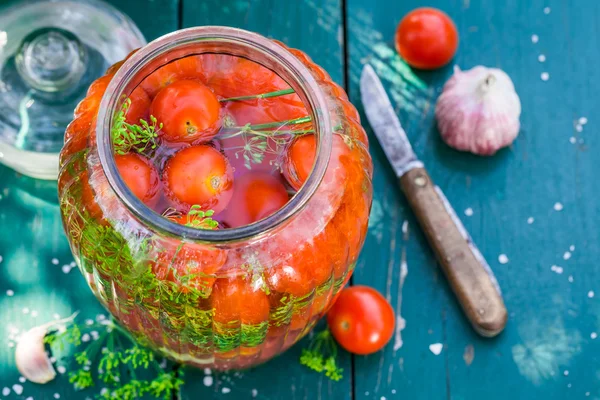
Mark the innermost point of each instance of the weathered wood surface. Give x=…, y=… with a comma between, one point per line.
x=548, y=349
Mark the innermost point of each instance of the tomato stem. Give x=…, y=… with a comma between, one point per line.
x=260, y=96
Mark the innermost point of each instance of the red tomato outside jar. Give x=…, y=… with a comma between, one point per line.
x=206, y=292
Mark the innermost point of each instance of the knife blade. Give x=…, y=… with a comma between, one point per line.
x=468, y=274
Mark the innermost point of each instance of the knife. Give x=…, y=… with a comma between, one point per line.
x=468, y=273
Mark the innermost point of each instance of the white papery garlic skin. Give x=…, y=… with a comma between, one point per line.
x=478, y=110
x=30, y=354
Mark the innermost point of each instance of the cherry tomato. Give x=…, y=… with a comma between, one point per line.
x=140, y=103
x=189, y=112
x=426, y=38
x=199, y=175
x=183, y=68
x=299, y=160
x=237, y=299
x=140, y=176
x=256, y=195
x=189, y=264
x=245, y=78
x=361, y=320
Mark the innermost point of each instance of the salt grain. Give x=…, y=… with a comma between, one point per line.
x=207, y=371
x=89, y=322
x=572, y=247
x=541, y=58
x=579, y=128
x=593, y=335
x=587, y=394
x=469, y=212
x=502, y=259
x=545, y=76
x=382, y=398
x=208, y=380
x=56, y=396
x=61, y=369
x=535, y=38
x=85, y=338
x=546, y=10
x=225, y=390
x=254, y=392
x=66, y=269
x=10, y=293
x=591, y=294
x=570, y=278
x=22, y=379
x=558, y=206
x=583, y=121
x=557, y=269
x=55, y=261
x=18, y=389
x=567, y=255
x=436, y=348
x=25, y=310
x=530, y=220
x=566, y=373
x=5, y=391
x=94, y=335
x=393, y=391
x=572, y=140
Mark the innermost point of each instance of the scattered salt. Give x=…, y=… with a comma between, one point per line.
x=502, y=259
x=587, y=394
x=583, y=121
x=85, y=337
x=61, y=369
x=567, y=255
x=25, y=310
x=572, y=140
x=593, y=335
x=10, y=293
x=393, y=391
x=558, y=206
x=530, y=220
x=469, y=212
x=570, y=278
x=535, y=38
x=5, y=391
x=545, y=76
x=55, y=261
x=546, y=10
x=436, y=348
x=208, y=380
x=18, y=389
x=254, y=392
x=591, y=294
x=541, y=58
x=29, y=398
x=94, y=335
x=579, y=128
x=1, y=256
x=569, y=385
x=207, y=371
x=557, y=269
x=572, y=247
x=22, y=379
x=66, y=269
x=382, y=398
x=89, y=322
x=56, y=396
x=566, y=372
x=225, y=390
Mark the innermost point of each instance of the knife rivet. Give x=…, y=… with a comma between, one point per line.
x=420, y=181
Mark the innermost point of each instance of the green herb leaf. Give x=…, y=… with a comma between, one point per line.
x=128, y=137
x=321, y=356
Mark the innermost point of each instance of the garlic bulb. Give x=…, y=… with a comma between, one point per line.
x=30, y=355
x=478, y=110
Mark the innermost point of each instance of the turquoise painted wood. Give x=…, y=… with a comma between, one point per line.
x=548, y=350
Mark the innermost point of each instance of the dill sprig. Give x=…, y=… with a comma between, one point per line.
x=321, y=355
x=127, y=137
x=195, y=218
x=115, y=366
x=260, y=96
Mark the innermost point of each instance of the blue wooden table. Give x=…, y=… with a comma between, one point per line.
x=535, y=204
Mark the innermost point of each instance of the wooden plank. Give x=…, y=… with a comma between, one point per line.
x=36, y=279
x=547, y=350
x=314, y=27
x=154, y=18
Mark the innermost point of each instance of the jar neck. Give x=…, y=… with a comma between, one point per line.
x=222, y=40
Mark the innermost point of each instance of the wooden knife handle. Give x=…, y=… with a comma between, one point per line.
x=465, y=268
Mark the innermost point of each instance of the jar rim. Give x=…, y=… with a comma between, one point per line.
x=159, y=47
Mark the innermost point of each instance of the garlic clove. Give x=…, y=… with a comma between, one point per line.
x=30, y=353
x=478, y=110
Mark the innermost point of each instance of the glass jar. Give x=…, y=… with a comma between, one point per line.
x=227, y=298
